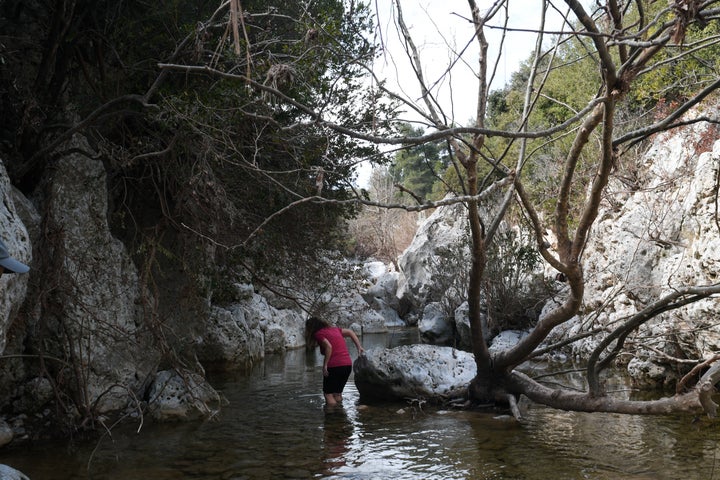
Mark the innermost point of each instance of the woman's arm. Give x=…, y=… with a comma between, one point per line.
x=326, y=351
x=349, y=333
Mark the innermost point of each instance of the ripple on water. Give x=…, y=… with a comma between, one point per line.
x=276, y=427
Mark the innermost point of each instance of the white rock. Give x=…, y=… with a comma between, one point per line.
x=426, y=372
x=102, y=303
x=506, y=340
x=659, y=237
x=443, y=230
x=434, y=327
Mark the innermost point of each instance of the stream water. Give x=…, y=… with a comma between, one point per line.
x=275, y=427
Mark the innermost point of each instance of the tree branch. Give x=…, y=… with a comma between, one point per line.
x=440, y=134
x=669, y=302
x=693, y=402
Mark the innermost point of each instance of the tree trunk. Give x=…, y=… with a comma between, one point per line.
x=695, y=401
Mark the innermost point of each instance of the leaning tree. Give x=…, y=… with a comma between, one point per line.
x=628, y=49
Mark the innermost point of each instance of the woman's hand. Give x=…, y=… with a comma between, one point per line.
x=325, y=371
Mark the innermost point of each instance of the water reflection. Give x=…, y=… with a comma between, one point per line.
x=393, y=338
x=276, y=426
x=337, y=433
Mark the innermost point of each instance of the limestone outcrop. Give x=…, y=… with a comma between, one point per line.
x=441, y=240
x=93, y=301
x=650, y=238
x=17, y=240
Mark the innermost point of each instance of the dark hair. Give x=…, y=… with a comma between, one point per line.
x=312, y=325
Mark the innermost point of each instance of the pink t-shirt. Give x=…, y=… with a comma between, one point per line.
x=340, y=356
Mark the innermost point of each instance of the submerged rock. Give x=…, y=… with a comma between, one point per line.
x=181, y=395
x=427, y=372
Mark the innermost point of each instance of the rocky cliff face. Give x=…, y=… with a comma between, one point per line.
x=13, y=289
x=651, y=238
x=16, y=238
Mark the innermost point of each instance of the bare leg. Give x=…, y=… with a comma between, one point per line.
x=338, y=397
x=330, y=399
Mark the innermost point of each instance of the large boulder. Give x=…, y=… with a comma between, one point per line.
x=431, y=373
x=227, y=341
x=281, y=329
x=285, y=331
x=443, y=234
x=240, y=334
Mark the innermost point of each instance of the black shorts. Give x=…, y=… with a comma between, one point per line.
x=336, y=379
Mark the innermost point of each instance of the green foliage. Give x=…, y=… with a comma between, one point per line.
x=233, y=155
x=514, y=282
x=676, y=75
x=417, y=167
x=564, y=84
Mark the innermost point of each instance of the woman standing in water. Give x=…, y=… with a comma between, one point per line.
x=337, y=363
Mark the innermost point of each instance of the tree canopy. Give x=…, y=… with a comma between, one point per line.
x=199, y=111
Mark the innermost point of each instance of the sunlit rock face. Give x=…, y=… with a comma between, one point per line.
x=424, y=372
x=380, y=295
x=653, y=235
x=437, y=237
